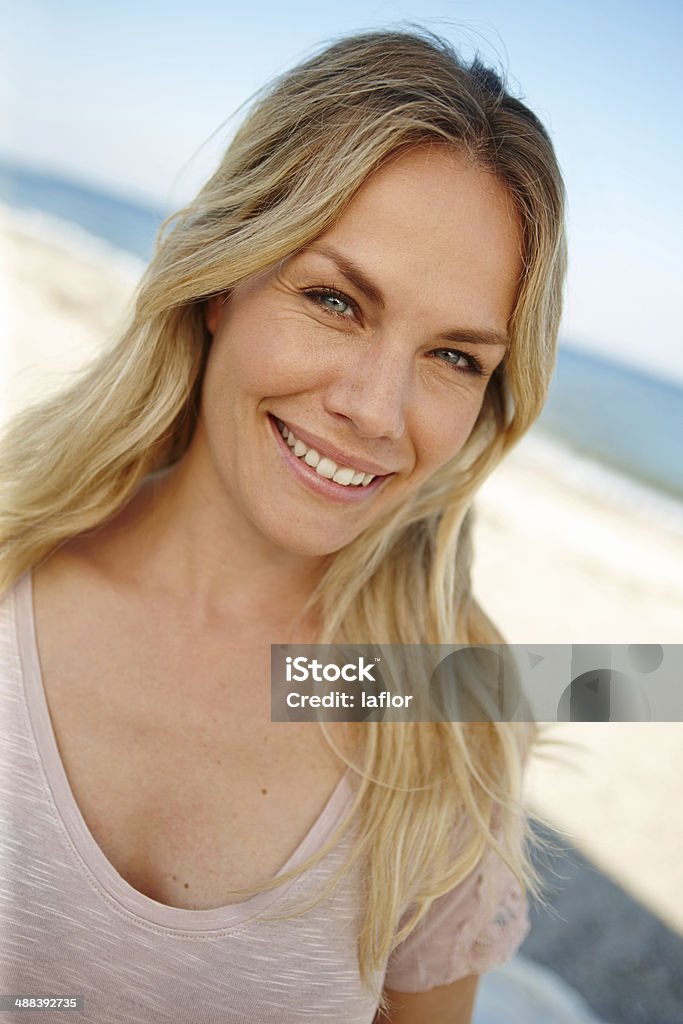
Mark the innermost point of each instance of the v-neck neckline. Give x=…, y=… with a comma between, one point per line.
x=83, y=842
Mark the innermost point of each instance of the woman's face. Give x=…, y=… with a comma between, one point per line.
x=370, y=350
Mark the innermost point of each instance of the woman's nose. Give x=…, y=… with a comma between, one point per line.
x=372, y=391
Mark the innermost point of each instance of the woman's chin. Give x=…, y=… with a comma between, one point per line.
x=312, y=543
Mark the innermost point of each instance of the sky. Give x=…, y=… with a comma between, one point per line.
x=138, y=98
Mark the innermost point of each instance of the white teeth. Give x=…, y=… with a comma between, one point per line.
x=325, y=467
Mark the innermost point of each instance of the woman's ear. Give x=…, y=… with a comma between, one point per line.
x=214, y=309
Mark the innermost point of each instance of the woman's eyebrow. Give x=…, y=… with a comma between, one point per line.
x=476, y=336
x=352, y=271
x=358, y=277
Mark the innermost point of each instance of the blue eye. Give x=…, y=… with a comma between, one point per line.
x=332, y=300
x=471, y=364
x=334, y=303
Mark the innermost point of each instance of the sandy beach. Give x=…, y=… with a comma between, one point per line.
x=555, y=563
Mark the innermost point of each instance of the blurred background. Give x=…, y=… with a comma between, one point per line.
x=112, y=115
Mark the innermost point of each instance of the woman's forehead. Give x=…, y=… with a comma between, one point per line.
x=428, y=194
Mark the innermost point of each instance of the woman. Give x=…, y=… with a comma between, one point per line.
x=333, y=346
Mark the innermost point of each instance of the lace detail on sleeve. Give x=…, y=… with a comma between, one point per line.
x=473, y=929
x=499, y=927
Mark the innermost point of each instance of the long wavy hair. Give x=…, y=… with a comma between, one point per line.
x=309, y=142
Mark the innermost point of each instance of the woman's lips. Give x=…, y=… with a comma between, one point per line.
x=330, y=451
x=306, y=475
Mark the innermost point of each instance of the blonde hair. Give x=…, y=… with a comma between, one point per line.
x=307, y=146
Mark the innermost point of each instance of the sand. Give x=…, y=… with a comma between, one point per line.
x=557, y=561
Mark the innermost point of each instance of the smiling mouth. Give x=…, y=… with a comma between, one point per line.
x=345, y=476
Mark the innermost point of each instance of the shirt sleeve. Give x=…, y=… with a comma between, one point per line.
x=476, y=927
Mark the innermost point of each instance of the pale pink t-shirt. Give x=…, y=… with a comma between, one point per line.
x=71, y=925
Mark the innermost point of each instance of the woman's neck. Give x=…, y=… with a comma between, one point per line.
x=183, y=537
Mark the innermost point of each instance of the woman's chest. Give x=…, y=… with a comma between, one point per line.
x=184, y=783
x=188, y=827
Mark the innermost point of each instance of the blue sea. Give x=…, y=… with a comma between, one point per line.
x=617, y=423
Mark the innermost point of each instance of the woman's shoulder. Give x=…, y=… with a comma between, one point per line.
x=75, y=609
x=59, y=579
x=8, y=616
x=89, y=563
